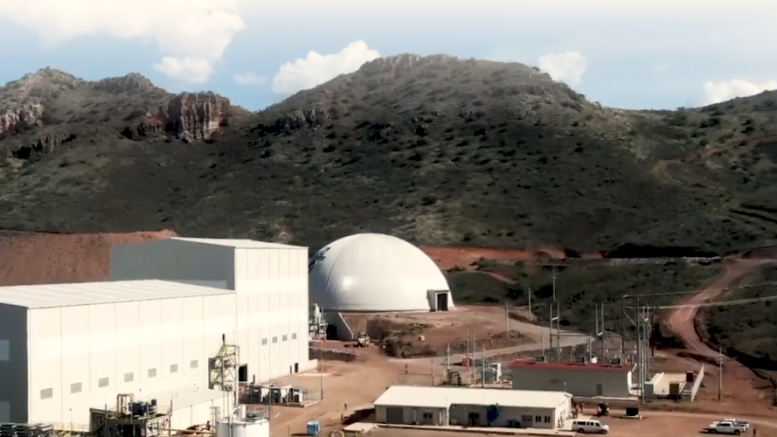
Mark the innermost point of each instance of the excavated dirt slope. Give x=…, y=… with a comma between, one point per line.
x=57, y=258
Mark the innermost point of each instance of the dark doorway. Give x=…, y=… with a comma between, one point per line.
x=242, y=373
x=599, y=391
x=395, y=415
x=296, y=367
x=331, y=332
x=474, y=419
x=442, y=301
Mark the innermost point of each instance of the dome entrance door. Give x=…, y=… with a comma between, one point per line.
x=438, y=300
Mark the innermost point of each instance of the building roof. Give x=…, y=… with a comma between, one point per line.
x=93, y=293
x=239, y=243
x=444, y=397
x=563, y=366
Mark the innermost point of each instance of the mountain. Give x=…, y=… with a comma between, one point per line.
x=434, y=149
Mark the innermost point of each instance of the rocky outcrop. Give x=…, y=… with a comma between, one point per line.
x=188, y=116
x=125, y=84
x=23, y=118
x=42, y=146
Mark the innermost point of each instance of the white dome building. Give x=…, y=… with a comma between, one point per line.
x=376, y=272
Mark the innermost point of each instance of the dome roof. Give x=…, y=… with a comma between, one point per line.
x=374, y=272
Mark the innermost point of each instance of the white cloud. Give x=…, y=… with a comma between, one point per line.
x=249, y=79
x=660, y=68
x=185, y=69
x=316, y=68
x=567, y=67
x=716, y=92
x=192, y=35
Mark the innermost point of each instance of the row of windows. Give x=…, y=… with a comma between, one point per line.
x=129, y=377
x=48, y=393
x=283, y=338
x=537, y=419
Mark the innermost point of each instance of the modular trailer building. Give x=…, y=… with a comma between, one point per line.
x=579, y=379
x=444, y=406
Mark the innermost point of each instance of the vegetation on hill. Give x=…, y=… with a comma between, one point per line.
x=580, y=287
x=748, y=331
x=437, y=150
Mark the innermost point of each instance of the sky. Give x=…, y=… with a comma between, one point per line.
x=635, y=54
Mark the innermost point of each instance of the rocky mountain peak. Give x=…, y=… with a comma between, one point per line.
x=132, y=82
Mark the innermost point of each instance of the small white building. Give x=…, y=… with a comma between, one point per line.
x=479, y=407
x=579, y=379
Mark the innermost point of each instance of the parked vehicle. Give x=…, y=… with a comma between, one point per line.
x=739, y=423
x=590, y=426
x=726, y=427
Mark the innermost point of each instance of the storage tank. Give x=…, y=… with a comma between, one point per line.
x=251, y=425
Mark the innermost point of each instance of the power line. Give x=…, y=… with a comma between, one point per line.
x=674, y=293
x=720, y=304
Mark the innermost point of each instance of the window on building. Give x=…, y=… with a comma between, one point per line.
x=129, y=377
x=537, y=419
x=294, y=336
x=103, y=382
x=5, y=350
x=152, y=373
x=427, y=415
x=173, y=368
x=285, y=337
x=547, y=419
x=264, y=342
x=47, y=393
x=275, y=339
x=75, y=387
x=193, y=364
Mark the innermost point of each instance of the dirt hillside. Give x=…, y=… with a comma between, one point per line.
x=57, y=258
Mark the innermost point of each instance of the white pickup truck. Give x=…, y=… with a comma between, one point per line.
x=727, y=427
x=738, y=423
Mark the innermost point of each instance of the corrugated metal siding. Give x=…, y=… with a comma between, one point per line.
x=96, y=347
x=13, y=364
x=578, y=383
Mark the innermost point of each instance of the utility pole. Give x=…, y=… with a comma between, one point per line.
x=483, y=368
x=530, y=312
x=720, y=373
x=507, y=321
x=639, y=354
x=553, y=275
x=590, y=349
x=623, y=328
x=466, y=350
x=474, y=351
x=600, y=327
x=448, y=358
x=431, y=361
x=321, y=361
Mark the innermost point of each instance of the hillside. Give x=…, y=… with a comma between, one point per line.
x=437, y=150
x=747, y=331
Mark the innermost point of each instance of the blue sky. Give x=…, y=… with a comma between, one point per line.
x=628, y=54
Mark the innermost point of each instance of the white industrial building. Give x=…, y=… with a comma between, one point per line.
x=479, y=407
x=270, y=281
x=376, y=273
x=155, y=331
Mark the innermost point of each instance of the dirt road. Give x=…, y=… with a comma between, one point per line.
x=739, y=382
